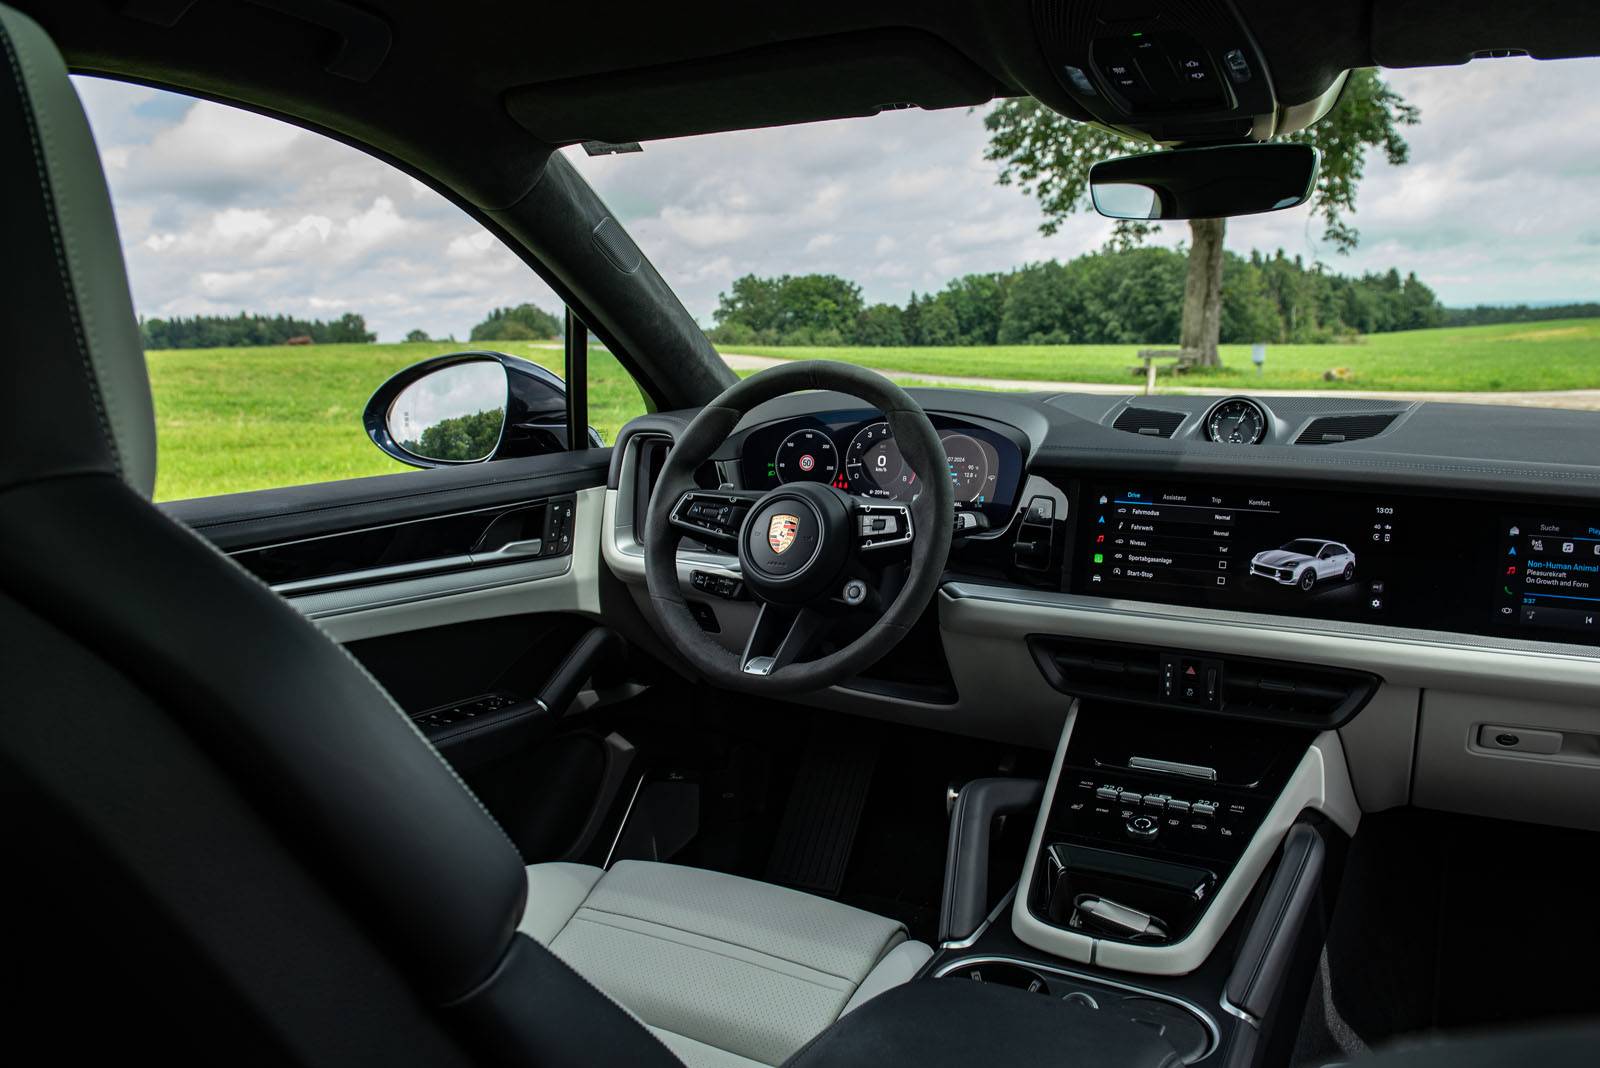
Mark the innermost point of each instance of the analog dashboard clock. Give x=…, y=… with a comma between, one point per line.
x=1236, y=421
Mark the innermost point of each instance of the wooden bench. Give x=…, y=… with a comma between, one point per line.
x=1150, y=359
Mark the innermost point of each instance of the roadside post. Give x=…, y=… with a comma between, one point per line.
x=1258, y=356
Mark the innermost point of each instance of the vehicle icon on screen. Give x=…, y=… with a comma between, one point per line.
x=1305, y=562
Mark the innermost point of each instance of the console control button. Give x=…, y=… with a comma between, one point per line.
x=1204, y=808
x=1129, y=799
x=1155, y=801
x=1108, y=793
x=1144, y=827
x=1174, y=805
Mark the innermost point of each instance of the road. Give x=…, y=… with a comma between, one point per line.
x=1584, y=399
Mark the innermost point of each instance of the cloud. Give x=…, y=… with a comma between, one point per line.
x=222, y=209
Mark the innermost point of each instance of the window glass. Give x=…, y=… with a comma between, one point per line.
x=1450, y=251
x=280, y=277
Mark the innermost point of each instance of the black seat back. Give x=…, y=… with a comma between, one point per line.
x=214, y=817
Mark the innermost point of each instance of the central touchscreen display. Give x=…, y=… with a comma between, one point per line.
x=1251, y=550
x=1512, y=570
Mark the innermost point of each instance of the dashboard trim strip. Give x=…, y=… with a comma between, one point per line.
x=1365, y=633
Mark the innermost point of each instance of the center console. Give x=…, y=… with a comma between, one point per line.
x=1175, y=781
x=1150, y=815
x=1178, y=854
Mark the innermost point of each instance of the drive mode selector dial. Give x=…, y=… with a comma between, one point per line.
x=1143, y=827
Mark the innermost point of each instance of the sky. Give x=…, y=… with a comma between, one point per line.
x=221, y=210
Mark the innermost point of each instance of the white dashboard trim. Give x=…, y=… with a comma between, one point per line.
x=1425, y=660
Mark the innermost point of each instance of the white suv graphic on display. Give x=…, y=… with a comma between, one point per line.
x=1305, y=562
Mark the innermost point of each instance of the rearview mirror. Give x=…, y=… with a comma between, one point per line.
x=1204, y=183
x=468, y=407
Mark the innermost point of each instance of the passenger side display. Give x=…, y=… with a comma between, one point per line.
x=1551, y=574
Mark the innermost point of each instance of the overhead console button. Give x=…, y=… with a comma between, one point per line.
x=1117, y=66
x=1238, y=66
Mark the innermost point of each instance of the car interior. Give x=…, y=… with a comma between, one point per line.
x=748, y=738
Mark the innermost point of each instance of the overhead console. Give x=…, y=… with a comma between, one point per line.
x=1166, y=71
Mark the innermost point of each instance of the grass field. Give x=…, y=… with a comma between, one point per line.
x=230, y=420
x=1560, y=354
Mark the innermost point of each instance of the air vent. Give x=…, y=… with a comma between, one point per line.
x=1152, y=422
x=1333, y=429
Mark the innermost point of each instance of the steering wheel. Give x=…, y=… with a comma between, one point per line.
x=812, y=556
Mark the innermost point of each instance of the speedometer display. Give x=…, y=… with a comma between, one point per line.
x=806, y=456
x=874, y=467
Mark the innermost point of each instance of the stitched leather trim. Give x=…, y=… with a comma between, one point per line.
x=38, y=142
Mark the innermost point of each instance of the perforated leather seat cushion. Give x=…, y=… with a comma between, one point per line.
x=726, y=971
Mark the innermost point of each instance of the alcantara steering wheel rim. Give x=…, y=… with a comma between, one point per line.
x=836, y=539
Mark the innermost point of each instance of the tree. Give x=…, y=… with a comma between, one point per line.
x=215, y=331
x=808, y=309
x=1049, y=156
x=461, y=438
x=348, y=327
x=939, y=325
x=418, y=335
x=881, y=324
x=976, y=300
x=525, y=322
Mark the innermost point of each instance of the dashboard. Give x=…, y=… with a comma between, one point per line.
x=1452, y=551
x=1351, y=549
x=854, y=450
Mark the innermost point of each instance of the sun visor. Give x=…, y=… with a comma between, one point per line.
x=774, y=85
x=1434, y=33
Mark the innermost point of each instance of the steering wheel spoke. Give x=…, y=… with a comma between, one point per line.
x=881, y=525
x=782, y=635
x=713, y=515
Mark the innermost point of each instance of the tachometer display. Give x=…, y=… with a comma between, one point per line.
x=806, y=456
x=874, y=467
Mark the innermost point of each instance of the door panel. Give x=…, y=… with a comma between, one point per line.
x=413, y=573
x=568, y=582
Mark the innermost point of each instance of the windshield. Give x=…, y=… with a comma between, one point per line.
x=1455, y=256
x=1304, y=547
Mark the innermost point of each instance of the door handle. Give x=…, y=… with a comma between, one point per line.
x=511, y=550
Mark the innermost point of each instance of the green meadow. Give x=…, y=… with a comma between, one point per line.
x=239, y=419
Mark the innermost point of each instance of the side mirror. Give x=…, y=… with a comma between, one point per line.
x=469, y=407
x=1204, y=183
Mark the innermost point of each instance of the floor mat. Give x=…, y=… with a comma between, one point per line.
x=1448, y=922
x=819, y=824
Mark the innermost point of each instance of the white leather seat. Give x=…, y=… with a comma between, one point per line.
x=726, y=971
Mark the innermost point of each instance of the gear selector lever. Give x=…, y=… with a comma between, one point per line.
x=1101, y=913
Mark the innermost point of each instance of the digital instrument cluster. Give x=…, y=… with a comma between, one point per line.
x=856, y=452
